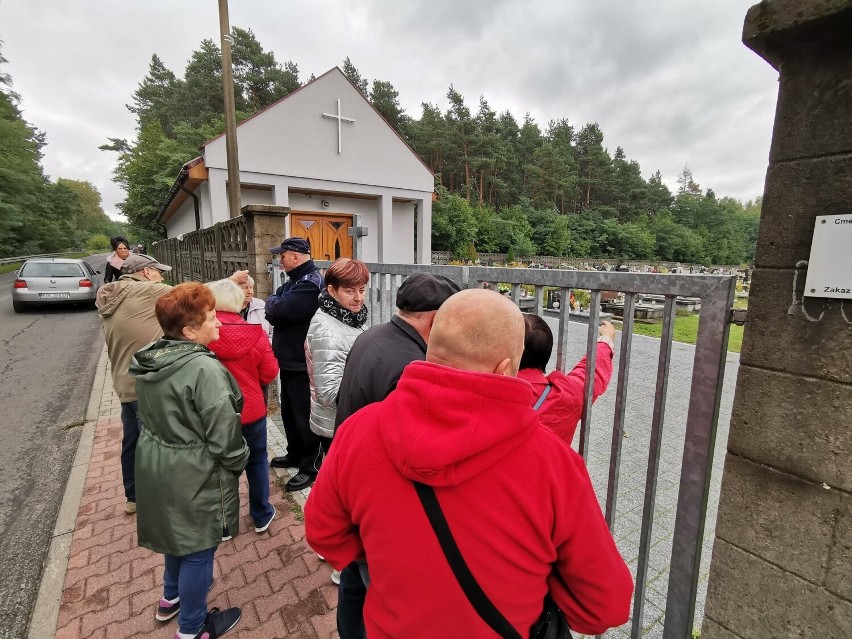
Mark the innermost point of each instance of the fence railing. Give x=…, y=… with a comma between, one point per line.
x=206, y=255
x=586, y=263
x=702, y=410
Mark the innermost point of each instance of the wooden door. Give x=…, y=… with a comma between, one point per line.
x=327, y=234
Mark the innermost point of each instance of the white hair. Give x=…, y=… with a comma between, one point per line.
x=229, y=296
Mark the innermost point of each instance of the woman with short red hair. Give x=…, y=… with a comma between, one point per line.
x=338, y=321
x=188, y=458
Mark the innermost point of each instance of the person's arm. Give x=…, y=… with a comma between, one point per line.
x=591, y=584
x=328, y=352
x=293, y=305
x=268, y=366
x=239, y=277
x=219, y=403
x=574, y=382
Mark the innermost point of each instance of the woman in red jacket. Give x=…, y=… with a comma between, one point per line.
x=244, y=350
x=563, y=405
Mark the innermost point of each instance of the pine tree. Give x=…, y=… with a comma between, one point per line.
x=354, y=76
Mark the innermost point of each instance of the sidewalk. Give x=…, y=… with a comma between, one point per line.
x=111, y=586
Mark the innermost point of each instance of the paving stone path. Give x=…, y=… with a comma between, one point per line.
x=112, y=585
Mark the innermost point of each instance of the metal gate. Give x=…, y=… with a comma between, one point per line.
x=716, y=294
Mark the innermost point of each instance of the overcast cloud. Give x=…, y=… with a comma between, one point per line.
x=667, y=80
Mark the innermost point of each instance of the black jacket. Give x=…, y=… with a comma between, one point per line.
x=111, y=274
x=290, y=310
x=375, y=364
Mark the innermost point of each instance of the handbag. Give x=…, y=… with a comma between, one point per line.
x=550, y=624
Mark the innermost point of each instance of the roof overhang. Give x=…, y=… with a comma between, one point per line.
x=191, y=175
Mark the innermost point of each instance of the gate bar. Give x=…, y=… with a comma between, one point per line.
x=697, y=466
x=653, y=466
x=620, y=404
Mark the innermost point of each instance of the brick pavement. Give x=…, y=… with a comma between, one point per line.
x=112, y=585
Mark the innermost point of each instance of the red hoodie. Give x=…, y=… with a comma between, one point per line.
x=563, y=405
x=519, y=503
x=245, y=351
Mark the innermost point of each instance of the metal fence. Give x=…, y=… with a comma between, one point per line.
x=588, y=263
x=206, y=255
x=716, y=294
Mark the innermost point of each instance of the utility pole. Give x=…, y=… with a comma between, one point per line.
x=230, y=115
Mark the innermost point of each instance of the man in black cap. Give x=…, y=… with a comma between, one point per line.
x=373, y=368
x=289, y=311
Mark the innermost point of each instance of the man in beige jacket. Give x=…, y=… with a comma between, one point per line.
x=126, y=308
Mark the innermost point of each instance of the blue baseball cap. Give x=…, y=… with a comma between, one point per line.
x=297, y=244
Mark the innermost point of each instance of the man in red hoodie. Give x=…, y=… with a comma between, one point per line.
x=462, y=423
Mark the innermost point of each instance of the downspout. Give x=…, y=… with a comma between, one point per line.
x=195, y=205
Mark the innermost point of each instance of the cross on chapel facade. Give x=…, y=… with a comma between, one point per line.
x=340, y=120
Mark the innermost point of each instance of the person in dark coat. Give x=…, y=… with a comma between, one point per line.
x=289, y=310
x=120, y=252
x=372, y=370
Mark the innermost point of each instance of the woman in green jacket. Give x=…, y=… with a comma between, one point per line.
x=188, y=458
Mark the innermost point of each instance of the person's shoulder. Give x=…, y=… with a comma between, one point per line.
x=314, y=277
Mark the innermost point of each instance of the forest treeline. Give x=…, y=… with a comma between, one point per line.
x=503, y=183
x=36, y=214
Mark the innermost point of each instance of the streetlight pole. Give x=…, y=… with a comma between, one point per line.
x=230, y=114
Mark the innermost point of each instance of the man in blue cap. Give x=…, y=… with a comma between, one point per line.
x=289, y=311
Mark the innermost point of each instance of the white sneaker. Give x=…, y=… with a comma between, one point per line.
x=260, y=529
x=335, y=577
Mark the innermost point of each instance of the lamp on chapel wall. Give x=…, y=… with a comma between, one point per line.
x=325, y=204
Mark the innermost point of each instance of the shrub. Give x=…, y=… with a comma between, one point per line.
x=97, y=242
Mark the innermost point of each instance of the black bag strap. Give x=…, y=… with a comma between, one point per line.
x=478, y=599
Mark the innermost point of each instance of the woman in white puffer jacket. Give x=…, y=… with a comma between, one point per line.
x=338, y=321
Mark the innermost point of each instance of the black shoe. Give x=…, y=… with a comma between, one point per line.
x=283, y=462
x=299, y=481
x=218, y=622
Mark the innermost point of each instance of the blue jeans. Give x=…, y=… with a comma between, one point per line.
x=257, y=472
x=130, y=425
x=189, y=577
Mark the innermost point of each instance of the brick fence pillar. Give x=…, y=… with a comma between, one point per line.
x=265, y=230
x=782, y=562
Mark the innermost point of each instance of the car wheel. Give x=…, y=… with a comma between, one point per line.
x=18, y=306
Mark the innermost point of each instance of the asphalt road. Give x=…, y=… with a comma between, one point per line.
x=47, y=366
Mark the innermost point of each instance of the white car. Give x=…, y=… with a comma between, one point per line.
x=49, y=280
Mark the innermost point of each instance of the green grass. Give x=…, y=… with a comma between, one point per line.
x=686, y=330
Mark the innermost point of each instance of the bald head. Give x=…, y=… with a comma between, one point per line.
x=478, y=330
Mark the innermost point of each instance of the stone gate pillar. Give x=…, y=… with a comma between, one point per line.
x=782, y=563
x=265, y=230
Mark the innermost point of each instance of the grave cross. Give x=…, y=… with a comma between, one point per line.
x=340, y=119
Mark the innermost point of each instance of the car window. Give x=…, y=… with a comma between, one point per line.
x=51, y=269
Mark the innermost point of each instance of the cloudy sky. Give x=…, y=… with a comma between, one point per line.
x=668, y=80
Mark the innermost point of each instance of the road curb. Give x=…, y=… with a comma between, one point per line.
x=46, y=611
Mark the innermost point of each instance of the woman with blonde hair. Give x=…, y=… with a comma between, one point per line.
x=244, y=350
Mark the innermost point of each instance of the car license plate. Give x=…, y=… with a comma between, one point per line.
x=54, y=296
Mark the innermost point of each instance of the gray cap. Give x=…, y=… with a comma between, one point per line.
x=137, y=261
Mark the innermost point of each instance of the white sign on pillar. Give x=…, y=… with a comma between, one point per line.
x=340, y=120
x=830, y=263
